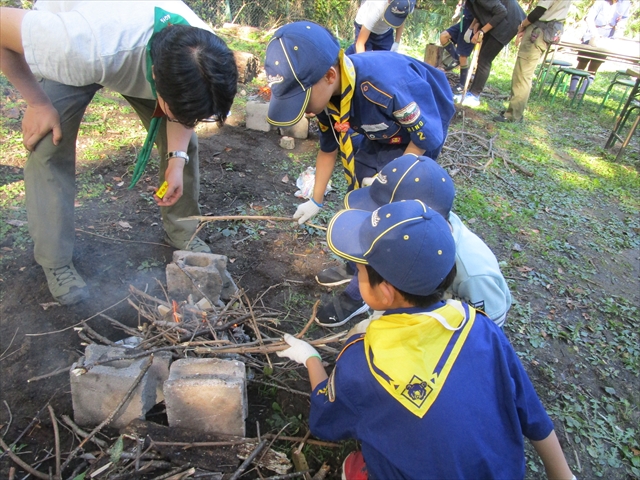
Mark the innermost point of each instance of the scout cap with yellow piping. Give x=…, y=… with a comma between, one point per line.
x=409, y=177
x=398, y=11
x=298, y=55
x=409, y=244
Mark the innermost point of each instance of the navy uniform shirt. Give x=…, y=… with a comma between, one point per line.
x=397, y=99
x=474, y=429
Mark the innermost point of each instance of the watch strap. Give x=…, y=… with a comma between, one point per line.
x=179, y=154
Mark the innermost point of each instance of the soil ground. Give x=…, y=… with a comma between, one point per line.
x=119, y=242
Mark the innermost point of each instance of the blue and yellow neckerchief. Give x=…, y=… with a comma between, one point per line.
x=340, y=118
x=162, y=19
x=411, y=355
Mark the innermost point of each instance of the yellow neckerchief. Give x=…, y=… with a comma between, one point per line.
x=341, y=118
x=411, y=355
x=162, y=19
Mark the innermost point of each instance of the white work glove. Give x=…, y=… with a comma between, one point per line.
x=299, y=351
x=367, y=181
x=394, y=47
x=467, y=35
x=306, y=211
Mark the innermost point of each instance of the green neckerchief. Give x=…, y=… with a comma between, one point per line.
x=162, y=19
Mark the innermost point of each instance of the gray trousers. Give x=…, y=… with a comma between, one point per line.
x=529, y=55
x=49, y=176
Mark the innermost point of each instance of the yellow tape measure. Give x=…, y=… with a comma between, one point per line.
x=162, y=190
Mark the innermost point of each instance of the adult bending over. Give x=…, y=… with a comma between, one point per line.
x=160, y=57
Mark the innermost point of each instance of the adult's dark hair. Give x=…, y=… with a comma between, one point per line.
x=416, y=300
x=195, y=73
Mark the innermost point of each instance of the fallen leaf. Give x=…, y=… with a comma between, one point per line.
x=46, y=306
x=124, y=224
x=560, y=271
x=231, y=260
x=516, y=247
x=524, y=269
x=117, y=179
x=12, y=113
x=22, y=269
x=119, y=184
x=285, y=179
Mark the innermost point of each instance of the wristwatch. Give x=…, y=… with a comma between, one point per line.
x=178, y=154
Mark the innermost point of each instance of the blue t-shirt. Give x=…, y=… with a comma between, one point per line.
x=474, y=429
x=397, y=99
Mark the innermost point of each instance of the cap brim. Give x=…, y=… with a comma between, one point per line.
x=360, y=199
x=288, y=110
x=343, y=234
x=393, y=20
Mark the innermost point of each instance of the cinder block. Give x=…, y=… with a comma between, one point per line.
x=208, y=395
x=299, y=130
x=256, y=116
x=97, y=393
x=287, y=143
x=198, y=274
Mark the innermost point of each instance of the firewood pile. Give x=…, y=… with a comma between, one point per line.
x=248, y=331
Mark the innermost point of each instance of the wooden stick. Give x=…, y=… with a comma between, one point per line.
x=235, y=217
x=22, y=464
x=56, y=434
x=311, y=320
x=204, y=444
x=111, y=416
x=310, y=441
x=248, y=460
x=81, y=433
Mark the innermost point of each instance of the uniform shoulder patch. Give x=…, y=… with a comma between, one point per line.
x=375, y=94
x=408, y=115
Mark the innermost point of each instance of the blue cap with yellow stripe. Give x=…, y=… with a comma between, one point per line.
x=298, y=56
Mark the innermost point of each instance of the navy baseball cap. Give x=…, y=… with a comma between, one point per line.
x=298, y=56
x=409, y=177
x=409, y=244
x=398, y=11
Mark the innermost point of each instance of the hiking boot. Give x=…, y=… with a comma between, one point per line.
x=66, y=285
x=196, y=245
x=457, y=89
x=339, y=310
x=334, y=276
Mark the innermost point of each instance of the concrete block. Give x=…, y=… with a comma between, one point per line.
x=256, y=116
x=299, y=130
x=287, y=143
x=96, y=393
x=208, y=395
x=198, y=274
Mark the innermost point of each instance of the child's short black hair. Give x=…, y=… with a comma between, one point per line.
x=195, y=73
x=416, y=300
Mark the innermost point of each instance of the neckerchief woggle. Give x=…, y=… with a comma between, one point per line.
x=162, y=19
x=340, y=117
x=411, y=355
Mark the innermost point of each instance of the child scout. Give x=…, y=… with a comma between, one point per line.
x=396, y=103
x=433, y=389
x=479, y=281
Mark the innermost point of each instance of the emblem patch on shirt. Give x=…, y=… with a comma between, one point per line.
x=478, y=305
x=417, y=391
x=393, y=140
x=375, y=128
x=408, y=114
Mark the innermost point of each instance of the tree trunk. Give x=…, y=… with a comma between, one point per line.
x=248, y=66
x=433, y=55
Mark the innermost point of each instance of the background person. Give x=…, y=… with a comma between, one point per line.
x=379, y=25
x=542, y=26
x=605, y=19
x=453, y=41
x=160, y=57
x=433, y=389
x=494, y=24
